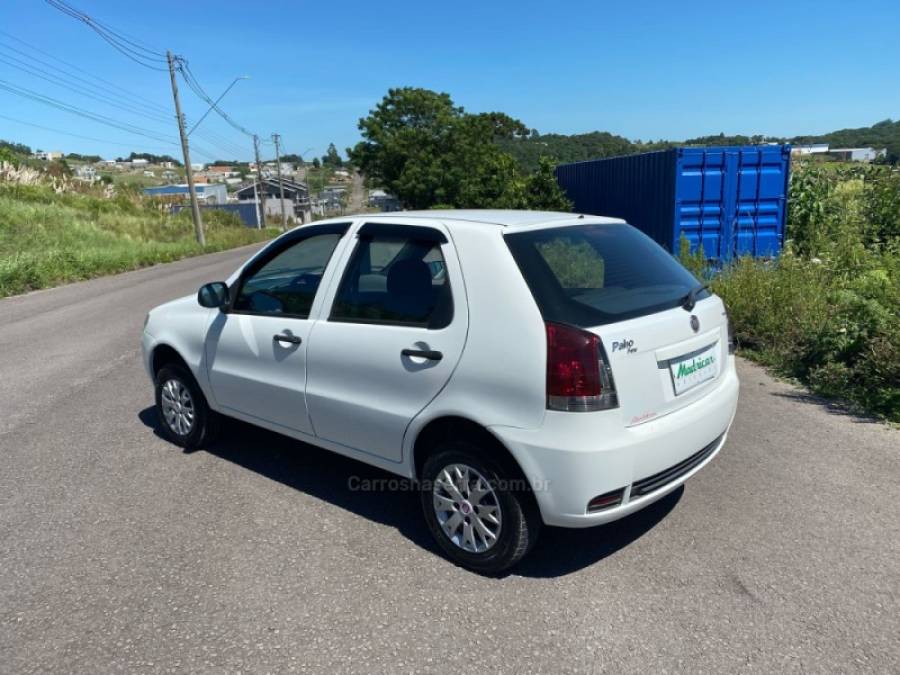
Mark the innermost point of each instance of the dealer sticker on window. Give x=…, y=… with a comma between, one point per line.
x=695, y=368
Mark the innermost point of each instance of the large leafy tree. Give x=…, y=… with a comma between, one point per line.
x=428, y=151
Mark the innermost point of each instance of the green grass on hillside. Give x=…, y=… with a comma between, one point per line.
x=48, y=239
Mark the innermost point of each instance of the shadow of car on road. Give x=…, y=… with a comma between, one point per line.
x=336, y=479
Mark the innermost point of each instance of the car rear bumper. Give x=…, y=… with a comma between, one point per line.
x=575, y=457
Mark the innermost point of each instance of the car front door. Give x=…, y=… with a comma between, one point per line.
x=394, y=333
x=256, y=349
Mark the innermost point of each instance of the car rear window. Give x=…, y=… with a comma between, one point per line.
x=589, y=275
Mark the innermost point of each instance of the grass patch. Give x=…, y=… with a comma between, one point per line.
x=47, y=239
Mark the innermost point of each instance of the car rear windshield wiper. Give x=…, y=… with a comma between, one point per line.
x=689, y=300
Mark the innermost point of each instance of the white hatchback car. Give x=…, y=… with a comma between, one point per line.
x=519, y=367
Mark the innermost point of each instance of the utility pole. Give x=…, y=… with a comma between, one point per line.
x=260, y=213
x=195, y=207
x=277, y=139
x=256, y=202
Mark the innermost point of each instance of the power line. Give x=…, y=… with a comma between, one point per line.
x=226, y=146
x=65, y=133
x=82, y=91
x=195, y=86
x=142, y=55
x=106, y=84
x=111, y=94
x=129, y=42
x=141, y=52
x=223, y=144
x=102, y=119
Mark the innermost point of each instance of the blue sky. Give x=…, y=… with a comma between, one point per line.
x=640, y=69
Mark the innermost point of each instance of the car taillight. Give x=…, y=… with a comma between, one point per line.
x=578, y=377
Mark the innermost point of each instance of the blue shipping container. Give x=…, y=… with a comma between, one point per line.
x=245, y=211
x=733, y=200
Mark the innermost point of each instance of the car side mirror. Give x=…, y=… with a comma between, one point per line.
x=214, y=294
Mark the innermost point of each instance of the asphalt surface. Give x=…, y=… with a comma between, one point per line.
x=121, y=553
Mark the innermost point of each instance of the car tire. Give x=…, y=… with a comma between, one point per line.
x=515, y=528
x=185, y=417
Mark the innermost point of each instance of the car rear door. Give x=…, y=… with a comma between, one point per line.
x=256, y=350
x=394, y=332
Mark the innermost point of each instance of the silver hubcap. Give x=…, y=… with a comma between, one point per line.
x=467, y=508
x=177, y=407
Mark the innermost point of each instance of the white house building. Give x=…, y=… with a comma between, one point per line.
x=858, y=154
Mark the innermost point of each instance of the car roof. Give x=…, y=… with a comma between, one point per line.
x=508, y=218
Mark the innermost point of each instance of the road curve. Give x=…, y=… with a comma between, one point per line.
x=119, y=552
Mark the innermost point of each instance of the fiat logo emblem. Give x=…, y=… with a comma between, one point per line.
x=695, y=323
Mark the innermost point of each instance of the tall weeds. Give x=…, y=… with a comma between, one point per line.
x=827, y=311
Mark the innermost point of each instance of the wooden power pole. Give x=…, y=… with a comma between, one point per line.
x=195, y=207
x=277, y=139
x=261, y=213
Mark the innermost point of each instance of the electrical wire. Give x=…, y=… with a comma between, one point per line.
x=102, y=119
x=65, y=133
x=231, y=147
x=105, y=84
x=136, y=50
x=221, y=143
x=82, y=91
x=130, y=41
x=195, y=86
x=139, y=54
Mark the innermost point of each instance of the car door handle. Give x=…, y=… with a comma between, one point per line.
x=429, y=354
x=285, y=337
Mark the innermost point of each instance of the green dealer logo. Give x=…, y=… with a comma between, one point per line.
x=685, y=369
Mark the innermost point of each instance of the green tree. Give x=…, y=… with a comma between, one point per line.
x=427, y=151
x=542, y=189
x=16, y=148
x=331, y=158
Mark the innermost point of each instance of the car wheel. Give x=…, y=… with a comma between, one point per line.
x=184, y=416
x=480, y=516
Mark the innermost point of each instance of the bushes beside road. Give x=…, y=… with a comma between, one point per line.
x=49, y=238
x=827, y=311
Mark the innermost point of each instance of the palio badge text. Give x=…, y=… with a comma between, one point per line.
x=624, y=345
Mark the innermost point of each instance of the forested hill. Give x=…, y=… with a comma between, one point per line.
x=596, y=144
x=884, y=134
x=574, y=148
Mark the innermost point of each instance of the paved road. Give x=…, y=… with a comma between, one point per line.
x=357, y=202
x=120, y=553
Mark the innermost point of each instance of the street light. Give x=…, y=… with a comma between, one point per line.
x=236, y=80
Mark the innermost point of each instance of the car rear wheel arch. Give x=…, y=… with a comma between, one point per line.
x=443, y=429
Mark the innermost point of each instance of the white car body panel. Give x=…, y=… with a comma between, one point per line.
x=367, y=403
x=357, y=373
x=250, y=372
x=180, y=324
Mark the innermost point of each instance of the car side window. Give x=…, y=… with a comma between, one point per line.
x=286, y=283
x=397, y=279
